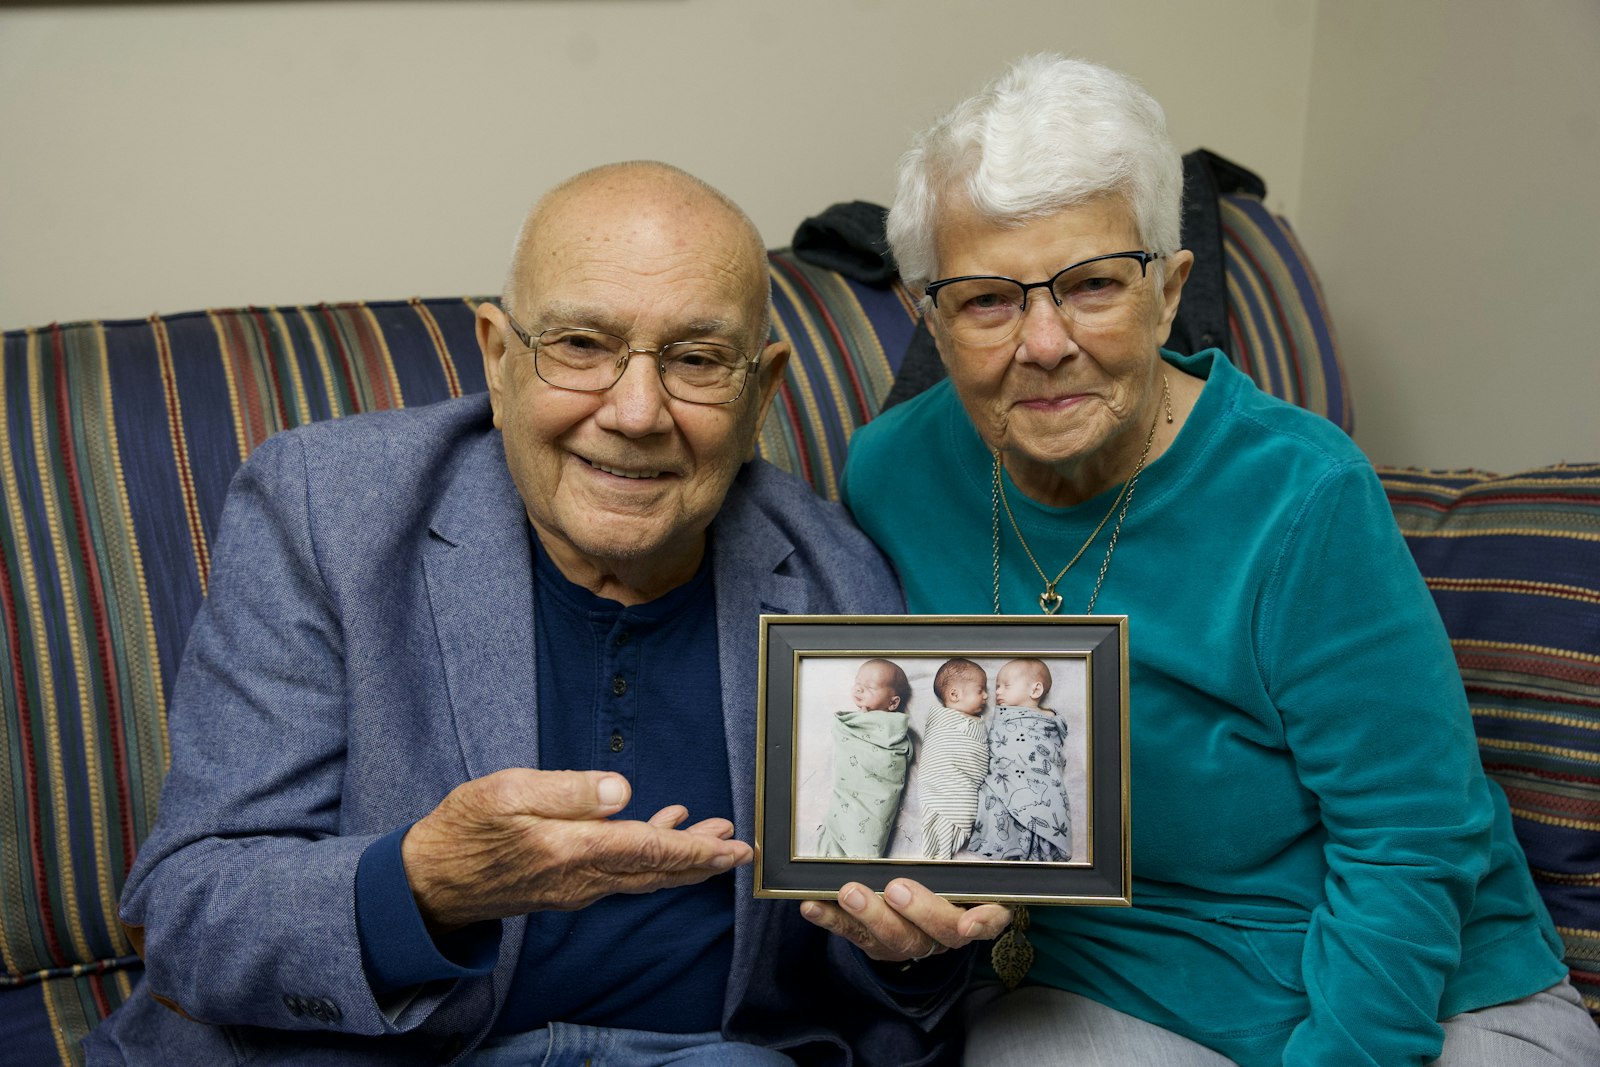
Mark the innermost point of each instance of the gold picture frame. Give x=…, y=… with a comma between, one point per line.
x=845, y=794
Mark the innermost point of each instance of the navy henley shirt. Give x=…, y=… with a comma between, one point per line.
x=635, y=690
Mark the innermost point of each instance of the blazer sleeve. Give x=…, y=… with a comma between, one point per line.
x=245, y=886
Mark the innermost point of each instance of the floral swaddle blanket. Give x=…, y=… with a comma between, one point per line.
x=1022, y=806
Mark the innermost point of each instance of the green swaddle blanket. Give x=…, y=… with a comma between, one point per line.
x=871, y=752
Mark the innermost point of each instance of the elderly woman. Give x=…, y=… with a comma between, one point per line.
x=1322, y=873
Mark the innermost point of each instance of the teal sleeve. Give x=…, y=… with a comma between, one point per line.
x=844, y=476
x=1357, y=662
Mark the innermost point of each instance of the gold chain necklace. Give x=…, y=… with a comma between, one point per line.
x=1012, y=954
x=1050, y=600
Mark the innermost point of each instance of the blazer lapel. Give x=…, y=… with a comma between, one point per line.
x=747, y=548
x=480, y=586
x=479, y=569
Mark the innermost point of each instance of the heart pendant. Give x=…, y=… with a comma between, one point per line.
x=1050, y=601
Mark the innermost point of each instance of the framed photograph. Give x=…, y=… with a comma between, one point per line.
x=985, y=756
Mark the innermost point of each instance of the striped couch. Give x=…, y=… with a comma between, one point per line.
x=119, y=439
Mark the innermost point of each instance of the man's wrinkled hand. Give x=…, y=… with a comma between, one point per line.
x=908, y=922
x=522, y=840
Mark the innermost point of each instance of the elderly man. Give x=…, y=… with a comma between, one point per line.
x=465, y=732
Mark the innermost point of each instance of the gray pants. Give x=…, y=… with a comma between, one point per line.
x=1041, y=1025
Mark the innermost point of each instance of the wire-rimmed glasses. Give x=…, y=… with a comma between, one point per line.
x=983, y=309
x=591, y=361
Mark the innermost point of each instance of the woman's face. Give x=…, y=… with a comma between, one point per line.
x=1055, y=394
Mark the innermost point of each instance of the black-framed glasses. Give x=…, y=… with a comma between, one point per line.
x=1097, y=292
x=591, y=361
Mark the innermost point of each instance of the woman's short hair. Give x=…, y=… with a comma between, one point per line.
x=1049, y=133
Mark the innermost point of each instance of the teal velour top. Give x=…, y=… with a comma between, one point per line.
x=1321, y=869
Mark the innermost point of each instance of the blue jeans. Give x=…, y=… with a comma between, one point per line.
x=1038, y=1024
x=565, y=1045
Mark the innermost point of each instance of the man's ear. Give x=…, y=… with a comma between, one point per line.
x=491, y=327
x=774, y=361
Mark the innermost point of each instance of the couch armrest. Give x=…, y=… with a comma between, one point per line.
x=1514, y=565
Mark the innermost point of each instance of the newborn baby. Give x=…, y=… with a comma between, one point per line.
x=954, y=759
x=1022, y=807
x=871, y=752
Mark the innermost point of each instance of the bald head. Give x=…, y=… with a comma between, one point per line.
x=637, y=195
x=622, y=482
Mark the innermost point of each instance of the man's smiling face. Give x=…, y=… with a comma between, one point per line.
x=628, y=479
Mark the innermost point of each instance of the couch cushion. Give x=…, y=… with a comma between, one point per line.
x=1514, y=565
x=848, y=339
x=117, y=445
x=43, y=1021
x=1278, y=324
x=119, y=440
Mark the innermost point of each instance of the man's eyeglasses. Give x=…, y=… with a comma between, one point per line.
x=1098, y=292
x=589, y=361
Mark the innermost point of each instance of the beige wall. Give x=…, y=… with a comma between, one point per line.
x=168, y=157
x=1451, y=200
x=162, y=158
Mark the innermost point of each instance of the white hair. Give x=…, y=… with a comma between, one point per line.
x=1048, y=134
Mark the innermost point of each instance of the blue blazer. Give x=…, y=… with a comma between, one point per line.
x=367, y=644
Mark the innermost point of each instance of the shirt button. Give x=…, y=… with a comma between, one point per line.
x=616, y=742
x=619, y=685
x=622, y=639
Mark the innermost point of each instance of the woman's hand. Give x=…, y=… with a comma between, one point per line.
x=908, y=922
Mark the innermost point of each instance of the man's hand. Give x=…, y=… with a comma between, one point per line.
x=523, y=840
x=908, y=922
